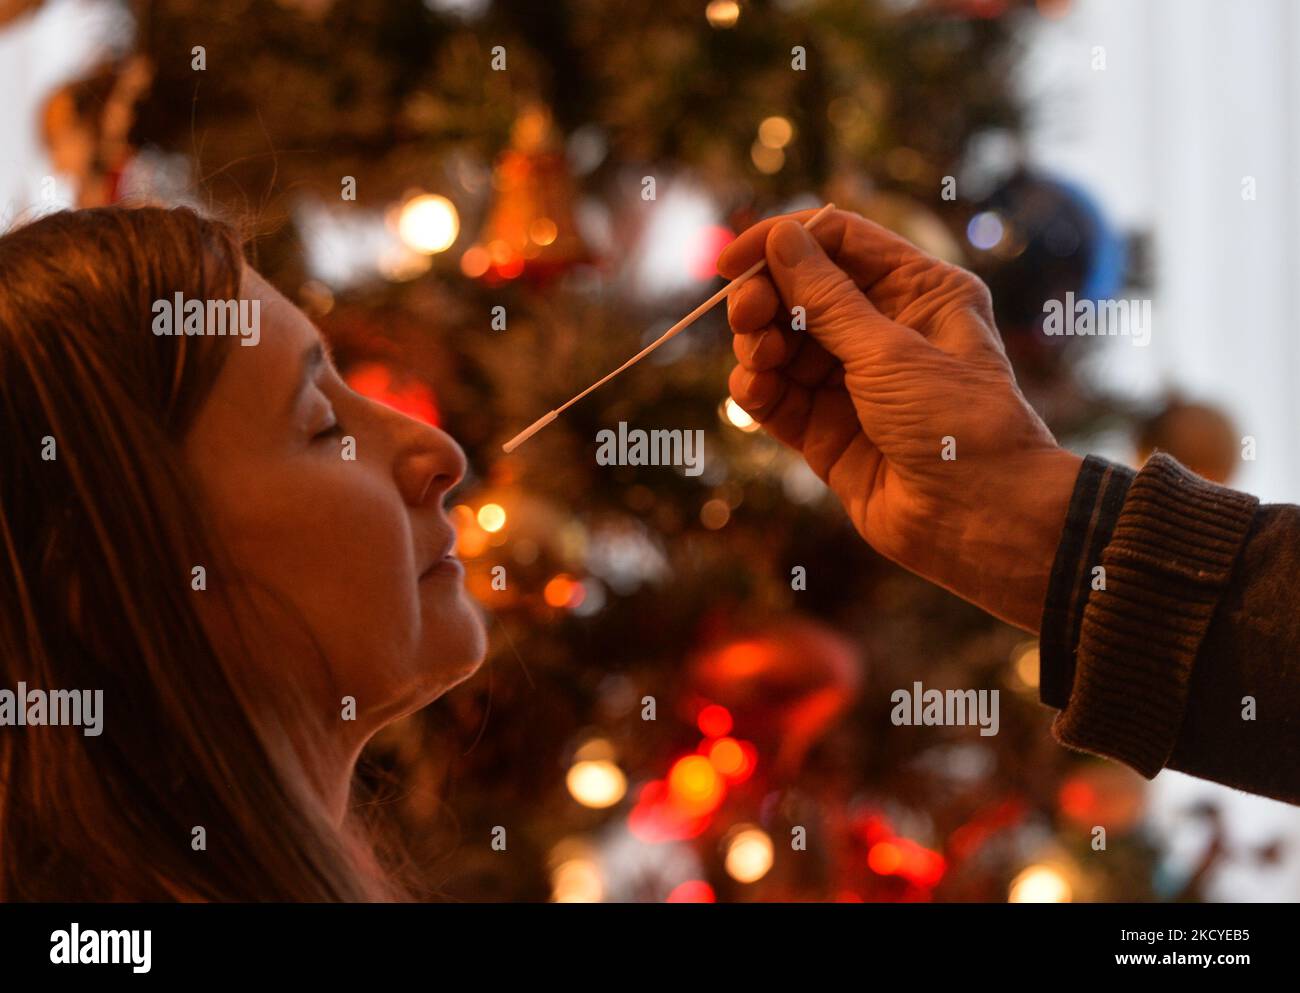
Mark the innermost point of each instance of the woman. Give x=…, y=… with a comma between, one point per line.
x=249, y=560
x=252, y=563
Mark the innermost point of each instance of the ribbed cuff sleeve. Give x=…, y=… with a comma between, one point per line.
x=1166, y=565
x=1095, y=504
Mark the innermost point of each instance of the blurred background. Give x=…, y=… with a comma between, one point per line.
x=406, y=167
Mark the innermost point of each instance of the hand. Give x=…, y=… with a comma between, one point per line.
x=900, y=397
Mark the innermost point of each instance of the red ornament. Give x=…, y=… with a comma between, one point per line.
x=784, y=686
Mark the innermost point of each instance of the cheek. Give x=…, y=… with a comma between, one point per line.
x=336, y=543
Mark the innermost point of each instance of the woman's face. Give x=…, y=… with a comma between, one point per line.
x=358, y=547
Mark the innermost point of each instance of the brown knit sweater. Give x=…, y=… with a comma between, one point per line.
x=1186, y=655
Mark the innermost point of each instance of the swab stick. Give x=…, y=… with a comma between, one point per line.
x=671, y=333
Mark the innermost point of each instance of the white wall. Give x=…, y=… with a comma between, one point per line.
x=1195, y=95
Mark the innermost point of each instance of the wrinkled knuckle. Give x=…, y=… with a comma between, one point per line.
x=829, y=293
x=974, y=292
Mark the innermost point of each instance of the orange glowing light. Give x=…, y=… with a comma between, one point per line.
x=480, y=585
x=543, y=231
x=714, y=721
x=743, y=660
x=884, y=858
x=470, y=539
x=730, y=759
x=512, y=268
x=722, y=13
x=1077, y=798
x=903, y=857
x=471, y=543
x=577, y=880
x=694, y=786
x=715, y=514
x=563, y=591
x=923, y=867
x=475, y=261
x=734, y=759
x=655, y=819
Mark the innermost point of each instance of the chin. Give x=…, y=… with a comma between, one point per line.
x=436, y=678
x=457, y=657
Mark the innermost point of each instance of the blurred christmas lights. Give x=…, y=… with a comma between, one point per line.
x=1040, y=884
x=749, y=854
x=428, y=224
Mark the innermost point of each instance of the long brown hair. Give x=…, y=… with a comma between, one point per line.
x=98, y=531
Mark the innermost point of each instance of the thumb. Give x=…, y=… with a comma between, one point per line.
x=839, y=315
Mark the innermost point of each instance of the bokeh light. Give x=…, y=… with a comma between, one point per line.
x=736, y=415
x=766, y=160
x=775, y=132
x=714, y=721
x=491, y=517
x=1040, y=884
x=563, y=591
x=722, y=13
x=984, y=230
x=543, y=231
x=428, y=224
x=692, y=891
x=596, y=783
x=749, y=855
x=715, y=514
x=735, y=760
x=694, y=786
x=577, y=880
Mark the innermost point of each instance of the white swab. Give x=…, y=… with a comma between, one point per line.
x=672, y=332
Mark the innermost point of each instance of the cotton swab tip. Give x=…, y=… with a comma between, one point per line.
x=529, y=431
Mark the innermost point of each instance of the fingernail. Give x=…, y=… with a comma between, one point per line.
x=791, y=242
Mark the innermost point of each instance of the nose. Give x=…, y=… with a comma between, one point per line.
x=429, y=463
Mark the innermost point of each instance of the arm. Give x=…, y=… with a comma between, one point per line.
x=900, y=396
x=1196, y=615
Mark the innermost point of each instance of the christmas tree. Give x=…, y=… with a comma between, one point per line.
x=487, y=206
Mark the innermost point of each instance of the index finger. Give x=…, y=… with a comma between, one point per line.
x=865, y=250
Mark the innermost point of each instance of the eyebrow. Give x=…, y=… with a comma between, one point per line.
x=312, y=359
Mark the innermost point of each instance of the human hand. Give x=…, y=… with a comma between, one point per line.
x=900, y=397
